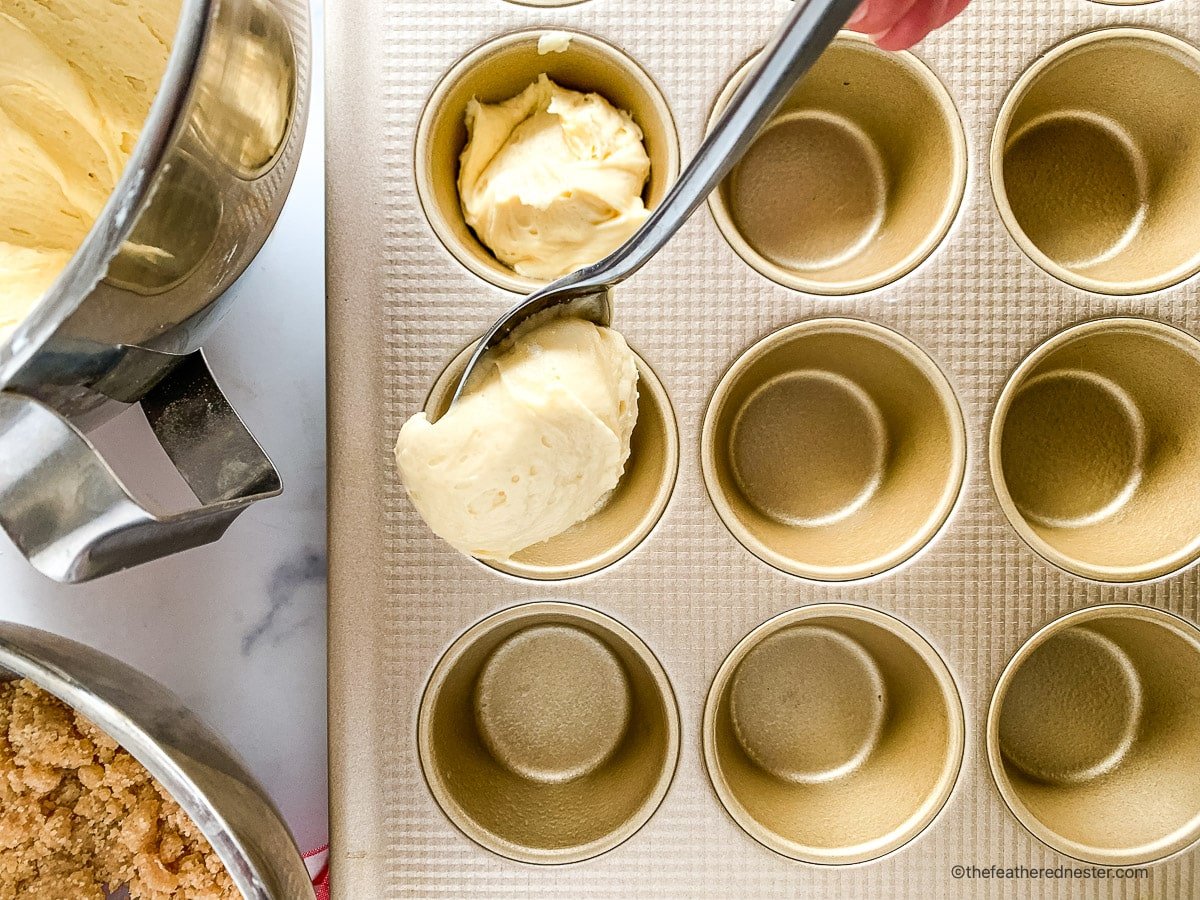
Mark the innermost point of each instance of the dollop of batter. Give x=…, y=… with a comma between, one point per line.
x=536, y=445
x=551, y=179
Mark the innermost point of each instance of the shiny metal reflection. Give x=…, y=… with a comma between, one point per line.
x=246, y=113
x=169, y=242
x=67, y=511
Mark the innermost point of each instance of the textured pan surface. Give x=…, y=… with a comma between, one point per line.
x=401, y=307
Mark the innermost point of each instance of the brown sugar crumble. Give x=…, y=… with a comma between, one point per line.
x=78, y=814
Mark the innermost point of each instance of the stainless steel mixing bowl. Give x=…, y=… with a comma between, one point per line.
x=124, y=322
x=195, y=766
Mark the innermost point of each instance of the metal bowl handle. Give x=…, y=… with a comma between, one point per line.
x=75, y=520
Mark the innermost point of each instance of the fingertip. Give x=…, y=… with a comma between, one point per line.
x=913, y=27
x=864, y=9
x=879, y=16
x=894, y=40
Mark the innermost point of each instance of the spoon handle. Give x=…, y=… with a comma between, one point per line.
x=803, y=37
x=798, y=43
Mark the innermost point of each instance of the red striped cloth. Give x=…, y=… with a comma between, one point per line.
x=318, y=866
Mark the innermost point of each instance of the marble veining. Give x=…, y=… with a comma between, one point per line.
x=287, y=583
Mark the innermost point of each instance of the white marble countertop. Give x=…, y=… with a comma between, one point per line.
x=237, y=629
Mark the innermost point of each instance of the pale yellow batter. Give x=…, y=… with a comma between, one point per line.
x=77, y=78
x=551, y=180
x=535, y=446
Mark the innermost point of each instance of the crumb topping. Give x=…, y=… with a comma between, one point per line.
x=78, y=814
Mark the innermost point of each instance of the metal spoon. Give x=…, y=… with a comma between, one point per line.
x=587, y=293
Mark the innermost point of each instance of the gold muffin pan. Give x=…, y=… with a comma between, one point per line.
x=901, y=576
x=818, y=710
x=1093, y=736
x=834, y=449
x=1123, y=223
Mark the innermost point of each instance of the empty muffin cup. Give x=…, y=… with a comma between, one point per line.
x=629, y=513
x=1093, y=738
x=1093, y=167
x=833, y=734
x=500, y=69
x=1095, y=449
x=856, y=179
x=548, y=733
x=834, y=449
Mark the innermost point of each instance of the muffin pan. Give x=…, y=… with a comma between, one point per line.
x=1095, y=174
x=1094, y=449
x=904, y=573
x=1093, y=738
x=813, y=713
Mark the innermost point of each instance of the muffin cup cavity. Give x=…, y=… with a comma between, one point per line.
x=1094, y=449
x=1092, y=737
x=833, y=734
x=1091, y=169
x=627, y=515
x=834, y=449
x=855, y=181
x=548, y=733
x=499, y=69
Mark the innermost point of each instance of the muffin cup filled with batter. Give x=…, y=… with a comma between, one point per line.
x=1093, y=739
x=833, y=734
x=856, y=179
x=834, y=449
x=1095, y=449
x=548, y=733
x=1093, y=166
x=629, y=513
x=500, y=70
